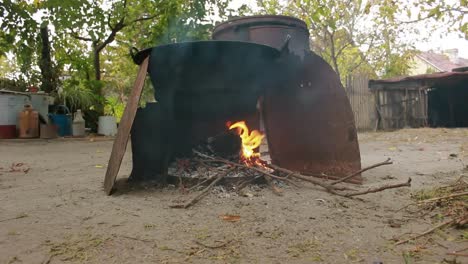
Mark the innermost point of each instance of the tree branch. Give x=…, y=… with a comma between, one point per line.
x=143, y=19
x=76, y=36
x=338, y=53
x=119, y=26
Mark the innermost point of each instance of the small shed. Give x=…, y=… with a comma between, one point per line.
x=436, y=100
x=11, y=104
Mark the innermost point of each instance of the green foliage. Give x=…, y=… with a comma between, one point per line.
x=19, y=34
x=114, y=107
x=450, y=15
x=12, y=85
x=79, y=94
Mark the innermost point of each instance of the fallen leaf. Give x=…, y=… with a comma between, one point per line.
x=99, y=166
x=26, y=170
x=16, y=167
x=247, y=194
x=230, y=218
x=392, y=148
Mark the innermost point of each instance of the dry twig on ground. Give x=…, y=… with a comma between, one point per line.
x=352, y=175
x=268, y=176
x=381, y=188
x=451, y=221
x=447, y=197
x=326, y=186
x=205, y=191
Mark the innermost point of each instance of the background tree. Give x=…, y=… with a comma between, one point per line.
x=449, y=14
x=19, y=35
x=353, y=36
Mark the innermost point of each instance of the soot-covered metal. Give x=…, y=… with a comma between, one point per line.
x=201, y=85
x=198, y=86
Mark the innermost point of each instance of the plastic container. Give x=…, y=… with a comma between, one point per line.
x=63, y=121
x=107, y=125
x=78, y=126
x=28, y=123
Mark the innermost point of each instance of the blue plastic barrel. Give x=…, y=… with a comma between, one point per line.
x=63, y=121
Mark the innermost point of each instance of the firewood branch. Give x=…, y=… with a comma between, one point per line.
x=387, y=162
x=379, y=189
x=427, y=232
x=204, y=192
x=213, y=159
x=448, y=197
x=328, y=187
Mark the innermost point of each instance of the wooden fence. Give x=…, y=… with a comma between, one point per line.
x=362, y=102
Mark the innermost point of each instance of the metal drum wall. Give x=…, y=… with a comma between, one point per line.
x=309, y=123
x=308, y=119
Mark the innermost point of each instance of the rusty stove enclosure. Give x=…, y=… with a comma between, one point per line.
x=201, y=85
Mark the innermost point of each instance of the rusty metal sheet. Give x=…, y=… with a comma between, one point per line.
x=308, y=118
x=309, y=123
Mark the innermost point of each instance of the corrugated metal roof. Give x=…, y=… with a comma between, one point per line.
x=432, y=76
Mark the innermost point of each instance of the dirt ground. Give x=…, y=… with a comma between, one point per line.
x=53, y=210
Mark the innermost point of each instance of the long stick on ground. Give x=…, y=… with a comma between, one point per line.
x=326, y=186
x=457, y=254
x=443, y=197
x=426, y=233
x=387, y=162
x=378, y=189
x=204, y=192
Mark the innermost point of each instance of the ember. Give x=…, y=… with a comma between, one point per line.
x=249, y=155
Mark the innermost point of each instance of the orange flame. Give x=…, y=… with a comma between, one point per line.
x=250, y=141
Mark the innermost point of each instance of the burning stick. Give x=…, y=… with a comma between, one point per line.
x=250, y=160
x=262, y=171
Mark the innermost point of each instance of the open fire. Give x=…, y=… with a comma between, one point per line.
x=251, y=141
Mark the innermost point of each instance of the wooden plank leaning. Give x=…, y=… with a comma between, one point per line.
x=123, y=133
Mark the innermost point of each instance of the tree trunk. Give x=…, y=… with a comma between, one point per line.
x=333, y=56
x=97, y=62
x=45, y=64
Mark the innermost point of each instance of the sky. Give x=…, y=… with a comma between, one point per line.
x=436, y=41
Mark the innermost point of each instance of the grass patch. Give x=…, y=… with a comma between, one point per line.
x=306, y=247
x=79, y=249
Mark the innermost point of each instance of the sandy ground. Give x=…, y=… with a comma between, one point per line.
x=57, y=211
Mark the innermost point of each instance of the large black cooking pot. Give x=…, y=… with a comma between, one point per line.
x=199, y=86
x=208, y=80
